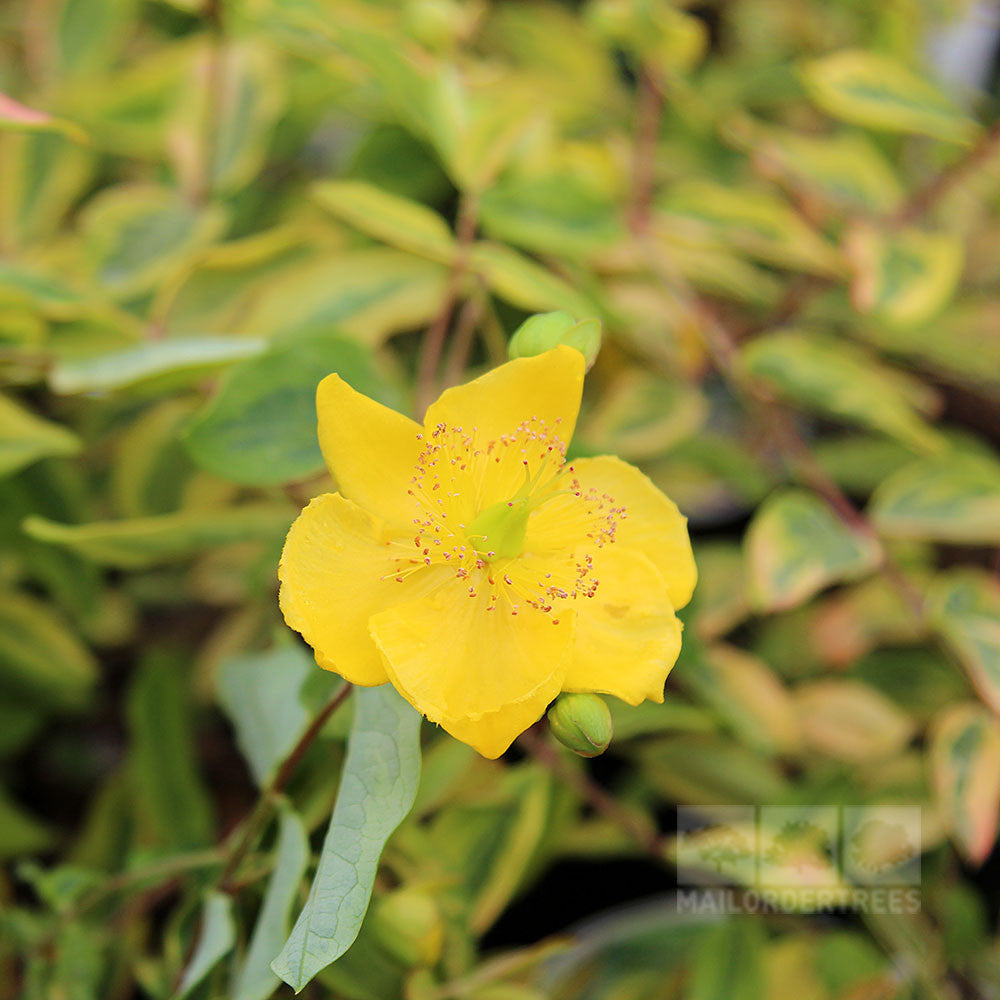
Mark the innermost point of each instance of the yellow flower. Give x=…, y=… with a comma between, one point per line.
x=475, y=569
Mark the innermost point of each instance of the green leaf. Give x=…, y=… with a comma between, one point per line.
x=40, y=658
x=20, y=832
x=965, y=763
x=395, y=220
x=964, y=609
x=25, y=438
x=262, y=695
x=843, y=168
x=38, y=290
x=215, y=940
x=171, y=803
x=377, y=789
x=553, y=214
x=151, y=541
x=89, y=34
x=796, y=546
x=17, y=117
x=952, y=498
x=526, y=284
x=903, y=277
x=867, y=88
x=158, y=365
x=727, y=962
x=260, y=429
x=368, y=294
x=753, y=221
x=828, y=376
x=135, y=235
x=255, y=980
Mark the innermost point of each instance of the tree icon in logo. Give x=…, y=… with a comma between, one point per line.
x=724, y=847
x=801, y=845
x=878, y=846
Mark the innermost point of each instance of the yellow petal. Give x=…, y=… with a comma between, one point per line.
x=493, y=733
x=627, y=636
x=455, y=660
x=370, y=450
x=336, y=571
x=547, y=386
x=652, y=524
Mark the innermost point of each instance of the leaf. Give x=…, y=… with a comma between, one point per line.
x=952, y=498
x=25, y=438
x=88, y=34
x=526, y=284
x=867, y=88
x=171, y=803
x=796, y=546
x=151, y=541
x=964, y=609
x=727, y=962
x=395, y=220
x=555, y=214
x=20, y=832
x=368, y=294
x=747, y=695
x=156, y=365
x=851, y=721
x=965, y=762
x=215, y=940
x=41, y=660
x=903, y=277
x=642, y=415
x=842, y=168
x=17, y=117
x=755, y=222
x=262, y=695
x=255, y=980
x=722, y=599
x=260, y=429
x=134, y=235
x=377, y=789
x=825, y=375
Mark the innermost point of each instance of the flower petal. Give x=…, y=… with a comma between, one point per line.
x=491, y=734
x=454, y=660
x=336, y=572
x=627, y=636
x=370, y=450
x=547, y=386
x=653, y=525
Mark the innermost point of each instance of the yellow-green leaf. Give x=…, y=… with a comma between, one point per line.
x=948, y=498
x=25, y=438
x=796, y=545
x=964, y=609
x=851, y=721
x=388, y=217
x=834, y=377
x=150, y=541
x=867, y=88
x=902, y=277
x=965, y=761
x=754, y=221
x=526, y=284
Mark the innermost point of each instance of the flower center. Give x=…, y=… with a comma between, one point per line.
x=507, y=515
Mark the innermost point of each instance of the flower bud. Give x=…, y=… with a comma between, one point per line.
x=408, y=926
x=541, y=333
x=581, y=722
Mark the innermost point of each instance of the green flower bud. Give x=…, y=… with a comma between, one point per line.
x=541, y=333
x=581, y=722
x=408, y=926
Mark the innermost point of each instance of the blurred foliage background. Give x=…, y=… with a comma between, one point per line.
x=790, y=229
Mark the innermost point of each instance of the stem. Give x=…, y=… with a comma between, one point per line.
x=254, y=824
x=925, y=198
x=649, y=109
x=461, y=342
x=214, y=81
x=592, y=793
x=433, y=344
